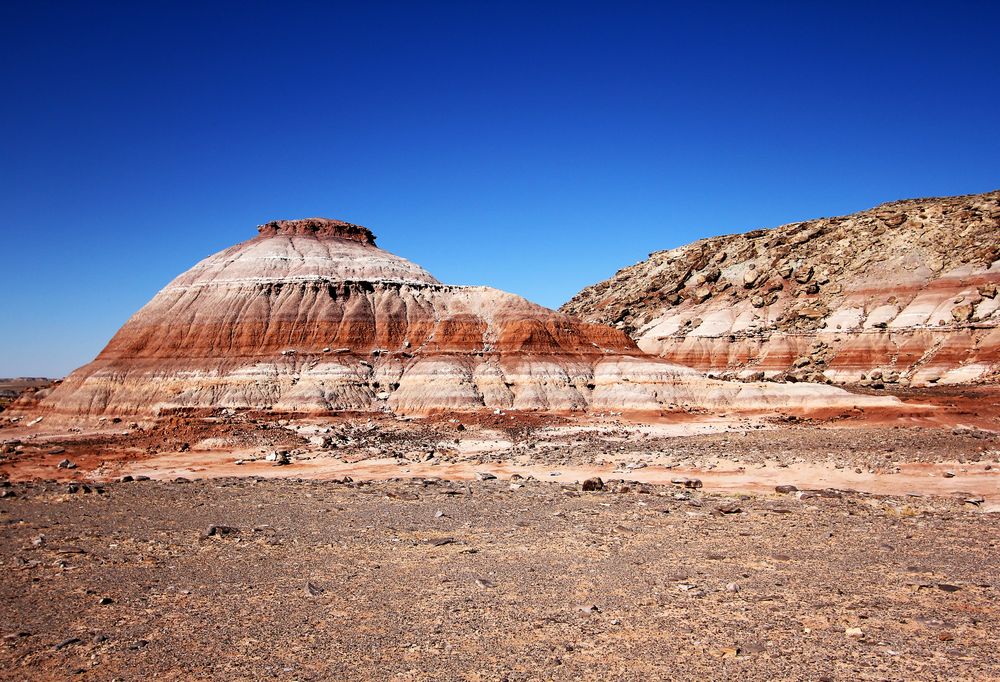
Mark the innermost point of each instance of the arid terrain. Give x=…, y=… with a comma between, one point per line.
x=308, y=459
x=242, y=545
x=246, y=578
x=904, y=293
x=12, y=388
x=500, y=342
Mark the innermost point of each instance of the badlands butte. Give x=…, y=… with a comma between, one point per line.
x=769, y=455
x=311, y=316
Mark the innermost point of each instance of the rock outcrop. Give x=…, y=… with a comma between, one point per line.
x=312, y=316
x=905, y=292
x=12, y=389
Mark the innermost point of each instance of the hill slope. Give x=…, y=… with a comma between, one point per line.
x=903, y=292
x=311, y=316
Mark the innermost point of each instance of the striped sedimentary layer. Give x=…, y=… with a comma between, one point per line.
x=906, y=292
x=311, y=316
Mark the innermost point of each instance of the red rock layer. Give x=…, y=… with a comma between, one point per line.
x=264, y=320
x=906, y=292
x=312, y=316
x=317, y=227
x=926, y=356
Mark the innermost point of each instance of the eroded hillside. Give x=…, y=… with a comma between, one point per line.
x=905, y=292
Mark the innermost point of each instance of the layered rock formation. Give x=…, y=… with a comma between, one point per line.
x=12, y=389
x=905, y=292
x=311, y=316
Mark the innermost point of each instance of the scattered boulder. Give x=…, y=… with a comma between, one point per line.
x=702, y=294
x=278, y=458
x=962, y=313
x=219, y=531
x=66, y=643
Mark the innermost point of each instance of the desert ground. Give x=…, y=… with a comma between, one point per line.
x=478, y=342
x=481, y=547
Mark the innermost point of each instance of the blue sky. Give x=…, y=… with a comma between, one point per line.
x=534, y=147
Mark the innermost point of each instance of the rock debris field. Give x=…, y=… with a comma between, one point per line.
x=499, y=548
x=521, y=580
x=765, y=456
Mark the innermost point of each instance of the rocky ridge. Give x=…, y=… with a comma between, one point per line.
x=903, y=293
x=311, y=316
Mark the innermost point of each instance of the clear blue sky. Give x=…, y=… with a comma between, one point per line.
x=534, y=147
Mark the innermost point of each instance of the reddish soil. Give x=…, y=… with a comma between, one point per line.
x=377, y=552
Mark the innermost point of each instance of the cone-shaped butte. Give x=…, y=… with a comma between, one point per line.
x=311, y=316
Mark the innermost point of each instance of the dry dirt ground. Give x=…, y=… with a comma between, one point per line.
x=385, y=550
x=478, y=580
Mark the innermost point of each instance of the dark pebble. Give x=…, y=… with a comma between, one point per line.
x=67, y=642
x=219, y=531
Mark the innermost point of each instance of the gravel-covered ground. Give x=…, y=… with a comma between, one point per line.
x=525, y=438
x=485, y=580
